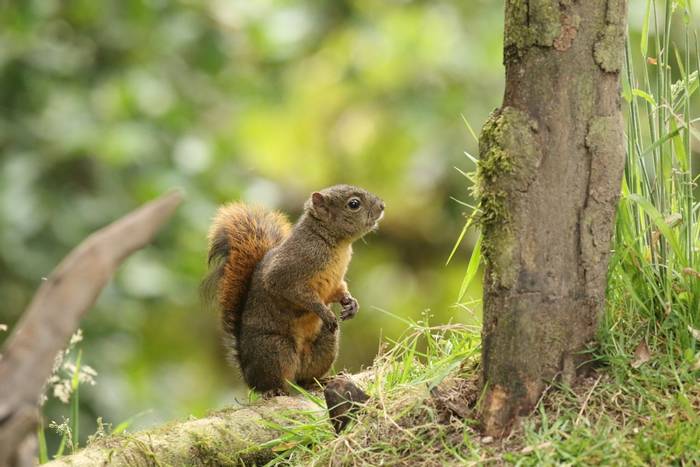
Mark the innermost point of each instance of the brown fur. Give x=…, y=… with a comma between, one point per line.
x=274, y=285
x=241, y=235
x=305, y=330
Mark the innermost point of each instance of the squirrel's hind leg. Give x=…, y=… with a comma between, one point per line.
x=273, y=365
x=316, y=363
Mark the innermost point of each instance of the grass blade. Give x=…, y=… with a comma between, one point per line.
x=472, y=269
x=75, y=404
x=41, y=438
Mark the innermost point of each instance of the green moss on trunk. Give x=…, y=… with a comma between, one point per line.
x=609, y=49
x=533, y=22
x=509, y=156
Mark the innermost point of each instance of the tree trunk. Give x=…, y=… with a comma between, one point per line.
x=549, y=178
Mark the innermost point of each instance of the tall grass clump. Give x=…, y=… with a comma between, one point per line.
x=653, y=289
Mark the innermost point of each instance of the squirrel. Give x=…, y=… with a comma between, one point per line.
x=274, y=283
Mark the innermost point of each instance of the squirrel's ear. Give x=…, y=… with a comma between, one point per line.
x=318, y=201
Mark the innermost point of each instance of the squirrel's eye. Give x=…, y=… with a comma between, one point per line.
x=354, y=204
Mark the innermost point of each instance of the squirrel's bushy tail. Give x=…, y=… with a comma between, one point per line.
x=238, y=239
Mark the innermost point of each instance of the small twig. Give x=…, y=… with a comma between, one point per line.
x=585, y=401
x=542, y=396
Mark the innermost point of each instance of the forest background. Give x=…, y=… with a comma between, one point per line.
x=105, y=105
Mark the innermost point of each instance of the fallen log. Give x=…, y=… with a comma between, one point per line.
x=235, y=436
x=242, y=435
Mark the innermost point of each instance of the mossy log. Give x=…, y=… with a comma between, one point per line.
x=549, y=178
x=235, y=436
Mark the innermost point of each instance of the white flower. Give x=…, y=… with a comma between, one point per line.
x=61, y=379
x=62, y=391
x=57, y=362
x=86, y=374
x=77, y=337
x=3, y=327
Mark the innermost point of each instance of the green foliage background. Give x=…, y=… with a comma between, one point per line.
x=105, y=105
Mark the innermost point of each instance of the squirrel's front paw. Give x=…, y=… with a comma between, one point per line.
x=350, y=307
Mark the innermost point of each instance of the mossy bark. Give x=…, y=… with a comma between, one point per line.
x=549, y=177
x=235, y=436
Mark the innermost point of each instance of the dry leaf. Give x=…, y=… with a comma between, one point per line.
x=284, y=446
x=694, y=332
x=651, y=61
x=641, y=355
x=691, y=272
x=674, y=220
x=529, y=449
x=696, y=365
x=655, y=235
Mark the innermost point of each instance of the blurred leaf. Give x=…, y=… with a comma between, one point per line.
x=641, y=355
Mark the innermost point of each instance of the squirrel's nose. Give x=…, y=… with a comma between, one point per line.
x=381, y=205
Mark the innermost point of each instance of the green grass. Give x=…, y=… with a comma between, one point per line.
x=654, y=292
x=642, y=405
x=406, y=417
x=618, y=415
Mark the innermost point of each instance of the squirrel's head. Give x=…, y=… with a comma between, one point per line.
x=346, y=211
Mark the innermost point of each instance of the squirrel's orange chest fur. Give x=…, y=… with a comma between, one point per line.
x=327, y=284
